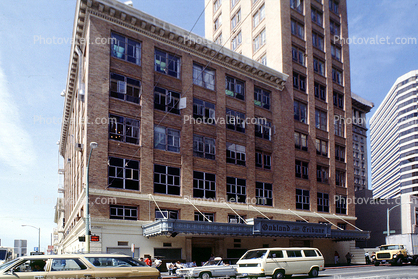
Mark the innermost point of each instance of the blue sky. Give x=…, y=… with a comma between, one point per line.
x=33, y=73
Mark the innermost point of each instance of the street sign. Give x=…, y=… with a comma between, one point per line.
x=391, y=231
x=94, y=238
x=35, y=249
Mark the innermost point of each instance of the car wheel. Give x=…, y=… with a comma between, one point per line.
x=314, y=272
x=376, y=263
x=279, y=274
x=205, y=275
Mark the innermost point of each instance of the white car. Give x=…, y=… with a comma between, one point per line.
x=216, y=269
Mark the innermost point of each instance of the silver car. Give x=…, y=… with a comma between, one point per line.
x=216, y=269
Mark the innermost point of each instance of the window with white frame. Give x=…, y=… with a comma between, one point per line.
x=166, y=180
x=123, y=212
x=167, y=139
x=125, y=49
x=232, y=218
x=263, y=160
x=123, y=129
x=319, y=66
x=297, y=29
x=125, y=88
x=236, y=41
x=204, y=147
x=203, y=76
x=263, y=59
x=302, y=199
x=298, y=55
x=302, y=169
x=166, y=214
x=337, y=76
x=218, y=39
x=301, y=141
x=263, y=129
x=264, y=193
x=320, y=91
x=260, y=40
x=204, y=185
x=123, y=173
x=259, y=16
x=236, y=189
x=235, y=88
x=208, y=216
x=216, y=5
x=318, y=41
x=166, y=100
x=235, y=154
x=262, y=97
x=235, y=120
x=217, y=23
x=234, y=3
x=167, y=63
x=323, y=202
x=297, y=5
x=236, y=19
x=321, y=120
x=204, y=111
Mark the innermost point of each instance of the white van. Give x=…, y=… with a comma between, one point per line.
x=278, y=262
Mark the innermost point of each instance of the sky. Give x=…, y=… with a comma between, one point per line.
x=33, y=73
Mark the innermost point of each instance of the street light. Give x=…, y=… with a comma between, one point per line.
x=39, y=235
x=93, y=145
x=388, y=210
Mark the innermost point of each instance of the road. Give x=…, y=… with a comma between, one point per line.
x=370, y=272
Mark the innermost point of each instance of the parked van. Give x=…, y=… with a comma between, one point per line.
x=278, y=262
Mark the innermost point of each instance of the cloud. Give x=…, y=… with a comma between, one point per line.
x=16, y=146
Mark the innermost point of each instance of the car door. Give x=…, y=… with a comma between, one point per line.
x=68, y=268
x=27, y=269
x=295, y=262
x=275, y=260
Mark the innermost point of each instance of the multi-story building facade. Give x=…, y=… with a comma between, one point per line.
x=393, y=137
x=360, y=108
x=196, y=147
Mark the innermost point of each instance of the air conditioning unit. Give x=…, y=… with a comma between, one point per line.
x=79, y=147
x=233, y=221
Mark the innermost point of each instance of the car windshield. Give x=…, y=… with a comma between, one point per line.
x=389, y=247
x=114, y=261
x=256, y=254
x=6, y=265
x=213, y=263
x=2, y=255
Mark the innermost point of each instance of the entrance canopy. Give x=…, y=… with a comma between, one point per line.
x=254, y=227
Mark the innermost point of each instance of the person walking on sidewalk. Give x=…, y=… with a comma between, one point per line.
x=367, y=257
x=336, y=257
x=349, y=256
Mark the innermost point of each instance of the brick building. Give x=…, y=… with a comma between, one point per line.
x=196, y=146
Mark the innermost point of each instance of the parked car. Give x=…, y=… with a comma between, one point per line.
x=217, y=268
x=77, y=266
x=280, y=262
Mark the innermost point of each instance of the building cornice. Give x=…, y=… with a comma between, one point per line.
x=147, y=25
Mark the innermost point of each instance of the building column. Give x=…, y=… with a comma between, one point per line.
x=188, y=249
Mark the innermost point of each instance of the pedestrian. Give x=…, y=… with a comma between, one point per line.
x=367, y=257
x=148, y=261
x=348, y=256
x=157, y=263
x=336, y=257
x=141, y=259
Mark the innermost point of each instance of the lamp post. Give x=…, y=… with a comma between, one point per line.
x=39, y=235
x=388, y=210
x=93, y=145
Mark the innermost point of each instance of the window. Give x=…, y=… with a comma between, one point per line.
x=338, y=126
x=233, y=3
x=336, y=52
x=166, y=180
x=166, y=100
x=301, y=169
x=259, y=16
x=321, y=147
x=298, y=55
x=263, y=60
x=235, y=88
x=166, y=139
x=235, y=219
x=204, y=185
x=167, y=64
x=124, y=88
x=338, y=100
x=236, y=189
x=217, y=23
x=297, y=5
x=235, y=120
x=262, y=98
x=123, y=129
x=260, y=40
x=321, y=120
x=340, y=178
x=337, y=76
x=204, y=147
x=320, y=91
x=333, y=6
x=342, y=226
x=203, y=77
x=341, y=205
x=236, y=41
x=299, y=82
x=123, y=212
x=209, y=217
x=216, y=5
x=297, y=29
x=263, y=129
x=125, y=49
x=236, y=19
x=318, y=41
x=334, y=28
x=323, y=202
x=218, y=39
x=264, y=193
x=123, y=173
x=322, y=174
x=263, y=160
x=204, y=111
x=235, y=154
x=301, y=141
x=302, y=200
x=300, y=111
x=166, y=214
x=319, y=66
x=294, y=253
x=316, y=16
x=60, y=265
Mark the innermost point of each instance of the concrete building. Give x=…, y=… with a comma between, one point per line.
x=360, y=108
x=393, y=136
x=20, y=247
x=196, y=147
